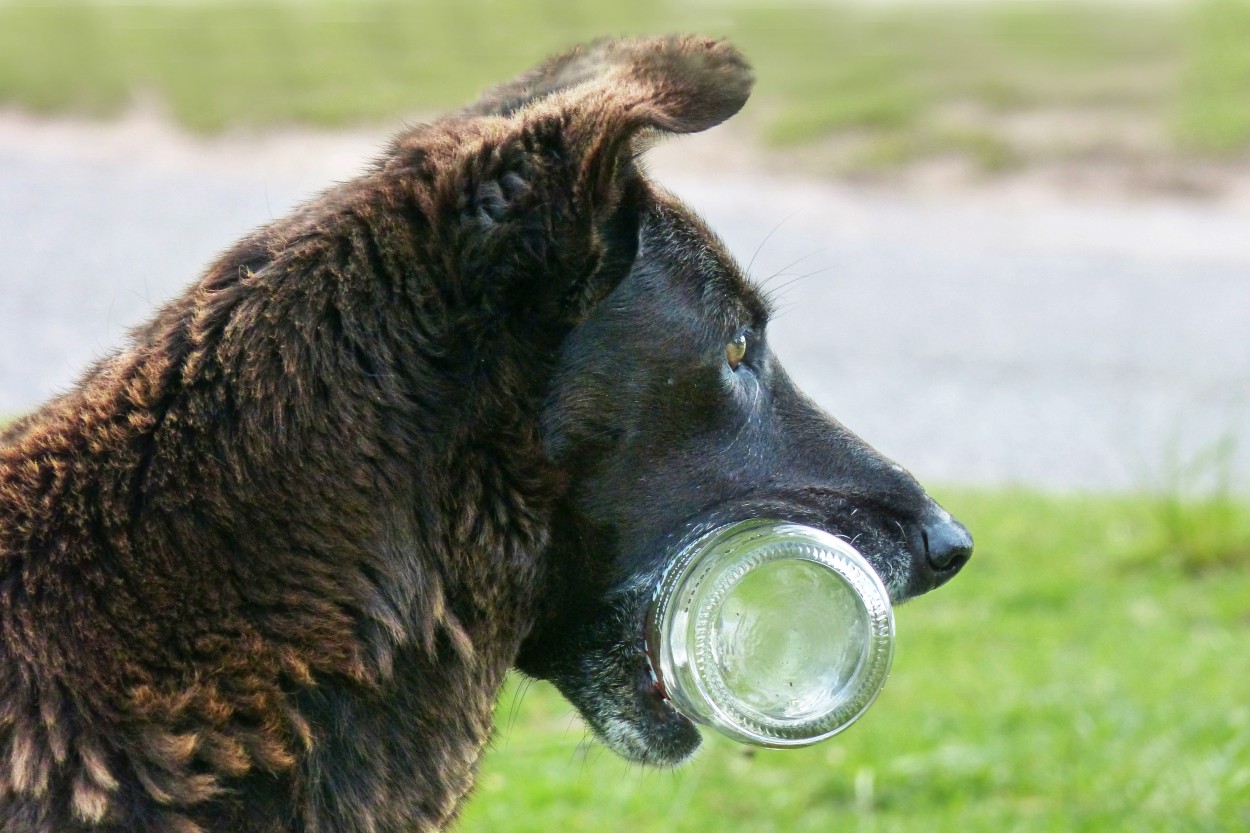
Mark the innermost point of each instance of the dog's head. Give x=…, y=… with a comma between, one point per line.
x=669, y=413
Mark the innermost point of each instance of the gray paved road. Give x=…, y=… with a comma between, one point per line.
x=977, y=342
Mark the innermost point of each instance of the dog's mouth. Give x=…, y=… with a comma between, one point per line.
x=658, y=709
x=605, y=670
x=610, y=677
x=615, y=688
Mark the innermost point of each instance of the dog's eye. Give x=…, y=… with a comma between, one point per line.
x=736, y=351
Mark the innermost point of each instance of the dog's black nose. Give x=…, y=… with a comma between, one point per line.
x=948, y=544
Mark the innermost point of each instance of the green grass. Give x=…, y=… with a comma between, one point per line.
x=1195, y=520
x=1080, y=675
x=903, y=82
x=1215, y=106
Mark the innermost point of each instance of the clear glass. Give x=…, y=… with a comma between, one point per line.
x=772, y=633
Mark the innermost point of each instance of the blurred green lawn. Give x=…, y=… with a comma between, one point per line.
x=904, y=82
x=1088, y=671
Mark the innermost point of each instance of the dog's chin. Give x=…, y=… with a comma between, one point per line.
x=631, y=715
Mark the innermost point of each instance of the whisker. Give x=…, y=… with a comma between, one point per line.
x=785, y=269
x=779, y=310
x=526, y=684
x=767, y=237
x=581, y=750
x=775, y=292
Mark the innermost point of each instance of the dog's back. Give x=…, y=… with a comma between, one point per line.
x=130, y=685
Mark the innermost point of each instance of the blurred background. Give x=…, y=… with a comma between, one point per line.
x=1011, y=246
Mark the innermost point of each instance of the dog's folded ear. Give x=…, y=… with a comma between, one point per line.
x=544, y=170
x=681, y=84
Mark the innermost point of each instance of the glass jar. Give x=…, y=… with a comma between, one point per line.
x=773, y=633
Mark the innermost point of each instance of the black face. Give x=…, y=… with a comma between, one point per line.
x=669, y=414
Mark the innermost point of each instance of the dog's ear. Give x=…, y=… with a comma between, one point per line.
x=547, y=198
x=681, y=84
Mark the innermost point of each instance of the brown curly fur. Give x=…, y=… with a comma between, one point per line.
x=264, y=569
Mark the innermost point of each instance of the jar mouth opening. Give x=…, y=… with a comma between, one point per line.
x=775, y=633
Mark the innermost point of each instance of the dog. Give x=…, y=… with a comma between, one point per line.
x=264, y=569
